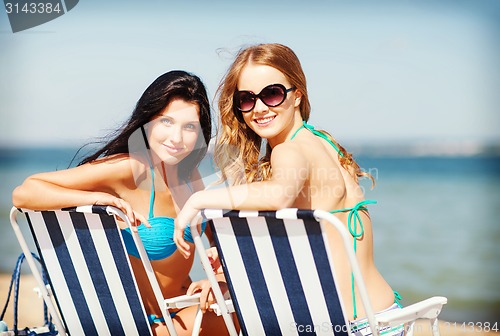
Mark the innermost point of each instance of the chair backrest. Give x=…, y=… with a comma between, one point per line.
x=279, y=271
x=89, y=271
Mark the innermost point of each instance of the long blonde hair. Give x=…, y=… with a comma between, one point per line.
x=238, y=146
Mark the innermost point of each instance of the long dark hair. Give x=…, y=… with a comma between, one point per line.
x=176, y=84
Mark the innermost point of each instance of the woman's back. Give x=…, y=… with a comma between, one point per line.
x=331, y=187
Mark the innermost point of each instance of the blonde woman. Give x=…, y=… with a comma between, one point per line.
x=264, y=96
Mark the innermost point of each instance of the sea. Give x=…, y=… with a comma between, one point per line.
x=435, y=225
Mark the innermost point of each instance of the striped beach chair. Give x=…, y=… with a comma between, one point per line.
x=281, y=279
x=92, y=290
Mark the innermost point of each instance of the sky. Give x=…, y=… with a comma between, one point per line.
x=405, y=71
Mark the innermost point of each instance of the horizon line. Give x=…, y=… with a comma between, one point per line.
x=421, y=149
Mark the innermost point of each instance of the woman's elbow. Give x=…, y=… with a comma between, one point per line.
x=281, y=202
x=21, y=195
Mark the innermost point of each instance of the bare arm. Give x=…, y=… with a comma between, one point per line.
x=290, y=172
x=91, y=183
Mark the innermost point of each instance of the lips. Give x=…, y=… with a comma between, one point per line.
x=173, y=149
x=264, y=121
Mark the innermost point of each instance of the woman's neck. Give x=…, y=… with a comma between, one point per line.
x=170, y=174
x=287, y=132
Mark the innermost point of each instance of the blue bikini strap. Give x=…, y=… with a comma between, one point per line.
x=150, y=161
x=152, y=198
x=317, y=133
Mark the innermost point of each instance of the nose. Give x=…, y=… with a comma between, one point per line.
x=260, y=106
x=176, y=135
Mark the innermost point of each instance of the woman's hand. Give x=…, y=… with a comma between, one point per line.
x=107, y=199
x=213, y=257
x=183, y=219
x=207, y=296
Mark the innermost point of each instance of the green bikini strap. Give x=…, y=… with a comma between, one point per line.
x=317, y=133
x=397, y=299
x=352, y=224
x=354, y=217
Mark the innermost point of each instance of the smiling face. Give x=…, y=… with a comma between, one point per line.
x=272, y=123
x=173, y=133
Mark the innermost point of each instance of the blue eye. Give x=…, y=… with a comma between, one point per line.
x=190, y=126
x=166, y=121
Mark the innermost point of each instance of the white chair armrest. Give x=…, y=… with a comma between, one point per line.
x=215, y=307
x=183, y=301
x=426, y=309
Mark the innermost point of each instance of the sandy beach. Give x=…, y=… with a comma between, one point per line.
x=31, y=311
x=30, y=306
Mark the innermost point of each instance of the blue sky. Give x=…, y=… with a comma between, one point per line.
x=379, y=71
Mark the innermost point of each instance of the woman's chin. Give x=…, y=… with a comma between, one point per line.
x=172, y=160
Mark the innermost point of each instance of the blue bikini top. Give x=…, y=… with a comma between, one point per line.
x=158, y=240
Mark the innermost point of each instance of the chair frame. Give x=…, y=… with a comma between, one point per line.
x=426, y=309
x=49, y=297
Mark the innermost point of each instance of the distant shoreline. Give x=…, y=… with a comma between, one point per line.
x=450, y=149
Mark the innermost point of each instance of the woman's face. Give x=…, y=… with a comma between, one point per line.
x=268, y=122
x=173, y=133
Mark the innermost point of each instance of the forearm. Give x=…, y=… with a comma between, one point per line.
x=267, y=195
x=252, y=196
x=40, y=195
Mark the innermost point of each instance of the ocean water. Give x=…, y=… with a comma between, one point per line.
x=435, y=225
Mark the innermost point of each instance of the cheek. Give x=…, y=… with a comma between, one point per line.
x=190, y=140
x=153, y=134
x=247, y=117
x=157, y=130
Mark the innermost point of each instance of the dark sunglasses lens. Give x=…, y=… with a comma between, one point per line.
x=273, y=95
x=245, y=101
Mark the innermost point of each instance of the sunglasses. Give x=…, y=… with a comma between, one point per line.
x=272, y=95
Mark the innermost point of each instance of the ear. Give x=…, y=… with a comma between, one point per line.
x=298, y=98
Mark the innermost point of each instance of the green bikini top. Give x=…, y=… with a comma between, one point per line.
x=353, y=218
x=317, y=133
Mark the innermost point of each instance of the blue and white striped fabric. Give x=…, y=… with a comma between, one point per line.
x=278, y=269
x=89, y=271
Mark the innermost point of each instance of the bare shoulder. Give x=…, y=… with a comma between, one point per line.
x=288, y=154
x=114, y=170
x=120, y=165
x=113, y=159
